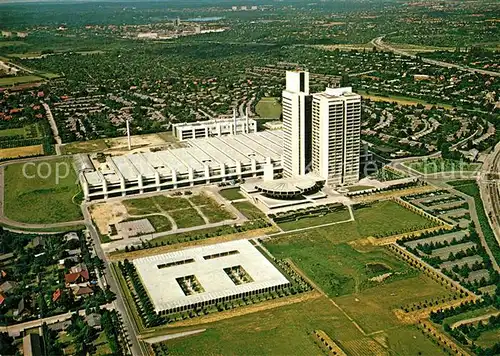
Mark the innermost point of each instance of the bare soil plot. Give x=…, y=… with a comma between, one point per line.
x=107, y=214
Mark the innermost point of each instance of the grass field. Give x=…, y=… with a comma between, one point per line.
x=231, y=194
x=186, y=218
x=438, y=165
x=10, y=81
x=25, y=151
x=373, y=307
x=338, y=269
x=85, y=147
x=315, y=221
x=39, y=200
x=250, y=211
x=215, y=213
x=488, y=338
x=325, y=255
x=357, y=188
x=141, y=206
x=287, y=331
x=268, y=108
x=160, y=223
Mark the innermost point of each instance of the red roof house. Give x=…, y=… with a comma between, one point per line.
x=56, y=295
x=77, y=277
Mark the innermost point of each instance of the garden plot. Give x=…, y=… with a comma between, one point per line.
x=477, y=276
x=458, y=235
x=445, y=251
x=470, y=260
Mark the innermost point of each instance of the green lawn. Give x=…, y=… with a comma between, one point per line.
x=186, y=218
x=7, y=81
x=325, y=255
x=171, y=203
x=387, y=216
x=315, y=221
x=34, y=199
x=249, y=210
x=287, y=331
x=268, y=108
x=160, y=223
x=338, y=269
x=488, y=338
x=231, y=194
x=215, y=213
x=437, y=165
x=469, y=314
x=141, y=206
x=85, y=147
x=373, y=308
x=12, y=132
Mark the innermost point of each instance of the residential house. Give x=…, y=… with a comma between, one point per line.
x=76, y=278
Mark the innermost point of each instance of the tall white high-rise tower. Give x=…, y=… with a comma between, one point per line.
x=336, y=136
x=296, y=124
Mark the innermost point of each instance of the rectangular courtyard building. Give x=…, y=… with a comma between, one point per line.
x=207, y=275
x=205, y=161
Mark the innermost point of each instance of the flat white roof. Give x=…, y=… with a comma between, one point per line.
x=166, y=293
x=211, y=151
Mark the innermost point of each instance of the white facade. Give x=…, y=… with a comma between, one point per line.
x=219, y=127
x=296, y=117
x=336, y=136
x=205, y=161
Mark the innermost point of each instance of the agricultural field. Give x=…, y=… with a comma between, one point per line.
x=268, y=108
x=25, y=151
x=49, y=196
x=438, y=165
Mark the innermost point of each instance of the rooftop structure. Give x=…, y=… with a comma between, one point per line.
x=288, y=188
x=207, y=275
x=217, y=127
x=205, y=161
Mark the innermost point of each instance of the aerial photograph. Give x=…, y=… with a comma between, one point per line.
x=249, y=177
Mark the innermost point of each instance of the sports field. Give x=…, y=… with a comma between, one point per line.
x=41, y=192
x=268, y=108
